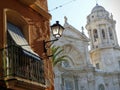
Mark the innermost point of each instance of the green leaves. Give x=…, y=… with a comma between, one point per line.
x=58, y=56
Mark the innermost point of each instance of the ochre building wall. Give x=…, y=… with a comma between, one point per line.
x=34, y=25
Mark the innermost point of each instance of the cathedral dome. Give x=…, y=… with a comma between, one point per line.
x=98, y=8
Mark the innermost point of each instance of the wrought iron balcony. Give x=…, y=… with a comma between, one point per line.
x=19, y=63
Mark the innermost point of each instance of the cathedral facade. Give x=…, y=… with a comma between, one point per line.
x=94, y=69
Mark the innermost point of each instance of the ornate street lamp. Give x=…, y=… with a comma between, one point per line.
x=57, y=31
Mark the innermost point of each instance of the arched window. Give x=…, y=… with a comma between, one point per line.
x=103, y=33
x=101, y=87
x=110, y=33
x=95, y=34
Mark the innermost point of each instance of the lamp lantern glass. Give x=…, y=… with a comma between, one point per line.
x=57, y=29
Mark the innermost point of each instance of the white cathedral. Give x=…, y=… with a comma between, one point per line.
x=94, y=69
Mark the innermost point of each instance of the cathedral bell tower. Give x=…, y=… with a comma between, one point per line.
x=101, y=30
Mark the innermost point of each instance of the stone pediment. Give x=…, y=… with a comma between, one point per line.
x=73, y=33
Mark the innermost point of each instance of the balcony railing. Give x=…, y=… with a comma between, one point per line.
x=17, y=63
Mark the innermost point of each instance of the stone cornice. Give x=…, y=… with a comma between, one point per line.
x=41, y=11
x=77, y=70
x=38, y=9
x=28, y=2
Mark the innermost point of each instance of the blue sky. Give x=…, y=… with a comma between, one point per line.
x=77, y=10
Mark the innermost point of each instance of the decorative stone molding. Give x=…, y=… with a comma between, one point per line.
x=34, y=6
x=41, y=11
x=115, y=82
x=90, y=77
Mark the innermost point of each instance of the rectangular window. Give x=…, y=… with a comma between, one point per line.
x=17, y=36
x=68, y=85
x=21, y=60
x=119, y=64
x=97, y=66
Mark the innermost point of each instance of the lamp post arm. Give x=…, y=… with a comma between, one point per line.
x=48, y=46
x=51, y=41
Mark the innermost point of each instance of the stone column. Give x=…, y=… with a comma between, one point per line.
x=58, y=82
x=99, y=35
x=107, y=34
x=91, y=39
